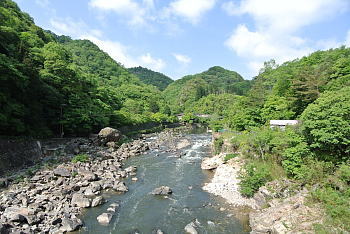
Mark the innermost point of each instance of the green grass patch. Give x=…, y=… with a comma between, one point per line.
x=80, y=158
x=230, y=156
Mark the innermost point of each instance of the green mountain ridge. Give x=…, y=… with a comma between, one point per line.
x=183, y=93
x=150, y=77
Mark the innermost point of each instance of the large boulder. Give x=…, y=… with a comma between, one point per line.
x=108, y=135
x=97, y=201
x=70, y=225
x=80, y=200
x=16, y=214
x=120, y=186
x=105, y=218
x=60, y=171
x=190, y=228
x=163, y=190
x=88, y=175
x=212, y=163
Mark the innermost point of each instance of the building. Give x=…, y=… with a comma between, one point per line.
x=282, y=123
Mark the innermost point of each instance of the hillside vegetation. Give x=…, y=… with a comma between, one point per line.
x=49, y=80
x=315, y=154
x=150, y=77
x=183, y=94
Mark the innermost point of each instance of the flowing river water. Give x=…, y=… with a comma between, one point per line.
x=142, y=212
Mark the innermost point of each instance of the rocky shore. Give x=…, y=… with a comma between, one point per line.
x=275, y=208
x=225, y=180
x=51, y=200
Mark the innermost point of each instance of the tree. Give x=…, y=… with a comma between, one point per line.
x=326, y=123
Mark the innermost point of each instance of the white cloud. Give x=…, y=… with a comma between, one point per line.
x=266, y=46
x=277, y=24
x=290, y=15
x=71, y=27
x=190, y=10
x=153, y=63
x=130, y=9
x=184, y=59
x=115, y=49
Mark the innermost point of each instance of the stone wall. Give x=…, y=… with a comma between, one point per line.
x=15, y=154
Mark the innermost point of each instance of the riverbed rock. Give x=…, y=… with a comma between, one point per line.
x=97, y=201
x=212, y=163
x=113, y=207
x=87, y=175
x=163, y=190
x=80, y=200
x=64, y=172
x=5, y=228
x=108, y=135
x=288, y=215
x=183, y=144
x=70, y=225
x=105, y=218
x=16, y=214
x=120, y=186
x=190, y=228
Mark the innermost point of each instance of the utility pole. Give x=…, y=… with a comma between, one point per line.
x=61, y=118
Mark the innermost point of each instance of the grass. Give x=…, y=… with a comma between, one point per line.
x=80, y=158
x=230, y=156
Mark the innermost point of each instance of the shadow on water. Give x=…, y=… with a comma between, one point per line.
x=141, y=212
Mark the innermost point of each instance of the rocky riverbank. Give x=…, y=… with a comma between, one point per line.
x=278, y=207
x=51, y=200
x=225, y=180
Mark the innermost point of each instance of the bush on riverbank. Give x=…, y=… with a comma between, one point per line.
x=254, y=175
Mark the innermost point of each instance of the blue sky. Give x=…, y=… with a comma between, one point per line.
x=180, y=37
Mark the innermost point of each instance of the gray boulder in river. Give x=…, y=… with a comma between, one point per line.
x=163, y=190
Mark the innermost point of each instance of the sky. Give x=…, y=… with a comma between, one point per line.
x=181, y=37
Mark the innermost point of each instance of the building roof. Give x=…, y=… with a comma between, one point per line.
x=283, y=122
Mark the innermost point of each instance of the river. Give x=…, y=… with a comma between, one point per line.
x=142, y=212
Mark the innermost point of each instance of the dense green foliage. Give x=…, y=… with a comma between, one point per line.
x=150, y=77
x=50, y=83
x=253, y=177
x=326, y=124
x=314, y=89
x=183, y=94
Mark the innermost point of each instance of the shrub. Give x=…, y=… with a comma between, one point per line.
x=293, y=158
x=344, y=173
x=253, y=177
x=313, y=171
x=218, y=142
x=334, y=195
x=80, y=158
x=230, y=156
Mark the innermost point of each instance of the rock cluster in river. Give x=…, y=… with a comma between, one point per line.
x=51, y=200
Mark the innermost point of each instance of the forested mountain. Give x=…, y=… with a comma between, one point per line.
x=150, y=77
x=49, y=80
x=285, y=91
x=183, y=93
